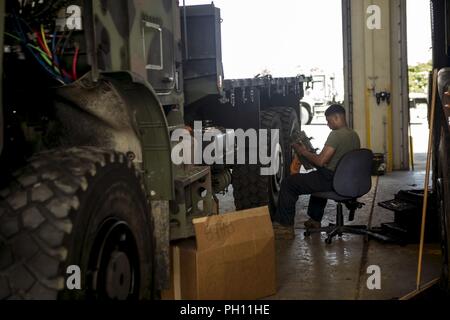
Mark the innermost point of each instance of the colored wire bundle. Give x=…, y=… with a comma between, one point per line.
x=36, y=41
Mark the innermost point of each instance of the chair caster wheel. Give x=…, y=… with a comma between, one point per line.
x=307, y=234
x=328, y=241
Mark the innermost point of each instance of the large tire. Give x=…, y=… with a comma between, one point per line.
x=250, y=188
x=306, y=115
x=443, y=194
x=289, y=124
x=82, y=206
x=441, y=167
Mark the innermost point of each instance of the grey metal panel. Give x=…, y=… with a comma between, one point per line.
x=400, y=85
x=240, y=112
x=348, y=69
x=243, y=99
x=202, y=54
x=375, y=61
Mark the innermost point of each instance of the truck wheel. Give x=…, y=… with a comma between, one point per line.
x=305, y=115
x=250, y=188
x=443, y=192
x=289, y=123
x=76, y=225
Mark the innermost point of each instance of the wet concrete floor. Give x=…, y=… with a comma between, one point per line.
x=309, y=269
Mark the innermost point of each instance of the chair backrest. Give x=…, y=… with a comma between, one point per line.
x=353, y=175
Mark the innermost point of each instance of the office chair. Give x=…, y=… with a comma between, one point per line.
x=352, y=179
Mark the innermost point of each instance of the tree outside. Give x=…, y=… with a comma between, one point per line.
x=418, y=77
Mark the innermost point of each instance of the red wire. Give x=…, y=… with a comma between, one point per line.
x=66, y=74
x=74, y=64
x=41, y=44
x=44, y=48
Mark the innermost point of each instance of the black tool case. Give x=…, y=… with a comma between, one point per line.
x=407, y=208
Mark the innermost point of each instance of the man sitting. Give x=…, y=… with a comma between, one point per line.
x=340, y=141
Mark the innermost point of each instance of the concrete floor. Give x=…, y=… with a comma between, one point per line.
x=308, y=269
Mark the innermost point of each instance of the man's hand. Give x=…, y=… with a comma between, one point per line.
x=318, y=160
x=299, y=148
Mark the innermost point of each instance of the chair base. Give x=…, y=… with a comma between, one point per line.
x=339, y=229
x=333, y=231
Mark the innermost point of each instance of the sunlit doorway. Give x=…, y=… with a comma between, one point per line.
x=419, y=60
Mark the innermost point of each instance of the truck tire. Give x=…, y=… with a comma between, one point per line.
x=250, y=188
x=289, y=123
x=83, y=207
x=443, y=195
x=306, y=115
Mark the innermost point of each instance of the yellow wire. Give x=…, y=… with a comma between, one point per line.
x=37, y=49
x=28, y=44
x=44, y=40
x=46, y=59
x=44, y=54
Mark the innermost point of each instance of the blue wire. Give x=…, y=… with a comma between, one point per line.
x=55, y=56
x=54, y=45
x=25, y=41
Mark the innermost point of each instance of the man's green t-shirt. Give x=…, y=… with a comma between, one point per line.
x=343, y=141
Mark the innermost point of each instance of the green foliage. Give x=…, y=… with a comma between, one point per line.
x=418, y=77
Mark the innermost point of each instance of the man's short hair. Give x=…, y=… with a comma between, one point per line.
x=335, y=109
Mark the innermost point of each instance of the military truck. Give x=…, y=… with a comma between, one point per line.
x=318, y=97
x=441, y=129
x=92, y=92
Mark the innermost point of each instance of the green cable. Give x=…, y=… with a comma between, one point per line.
x=42, y=52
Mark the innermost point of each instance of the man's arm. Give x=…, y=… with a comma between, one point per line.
x=318, y=160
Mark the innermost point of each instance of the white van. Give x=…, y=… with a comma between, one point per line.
x=418, y=108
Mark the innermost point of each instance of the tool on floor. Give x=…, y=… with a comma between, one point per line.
x=407, y=208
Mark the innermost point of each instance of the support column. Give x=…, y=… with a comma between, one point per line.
x=375, y=64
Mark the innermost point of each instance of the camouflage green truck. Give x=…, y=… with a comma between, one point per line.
x=92, y=92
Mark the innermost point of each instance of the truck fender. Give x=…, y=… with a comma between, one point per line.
x=122, y=112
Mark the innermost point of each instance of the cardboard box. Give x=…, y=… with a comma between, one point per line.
x=232, y=258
